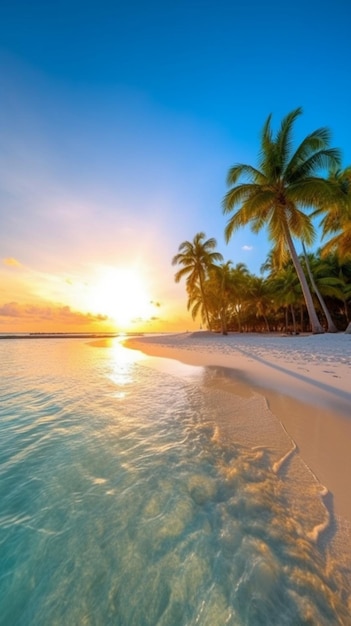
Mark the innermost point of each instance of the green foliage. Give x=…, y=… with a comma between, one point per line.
x=197, y=257
x=276, y=194
x=282, y=194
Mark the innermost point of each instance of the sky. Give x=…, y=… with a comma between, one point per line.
x=118, y=124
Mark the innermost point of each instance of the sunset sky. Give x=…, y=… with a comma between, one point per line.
x=118, y=123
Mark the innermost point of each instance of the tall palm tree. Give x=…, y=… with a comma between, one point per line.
x=340, y=267
x=286, y=291
x=240, y=276
x=197, y=257
x=222, y=278
x=341, y=270
x=308, y=258
x=275, y=193
x=260, y=290
x=195, y=304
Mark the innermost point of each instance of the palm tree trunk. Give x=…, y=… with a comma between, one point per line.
x=331, y=326
x=223, y=309
x=316, y=326
x=204, y=304
x=224, y=322
x=293, y=318
x=266, y=323
x=239, y=322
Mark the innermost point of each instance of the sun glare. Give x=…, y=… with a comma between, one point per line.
x=122, y=295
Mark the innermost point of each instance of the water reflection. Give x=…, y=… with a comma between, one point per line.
x=160, y=509
x=123, y=363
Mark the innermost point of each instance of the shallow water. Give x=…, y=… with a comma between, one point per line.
x=139, y=494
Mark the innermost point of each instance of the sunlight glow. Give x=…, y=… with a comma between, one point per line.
x=122, y=362
x=121, y=293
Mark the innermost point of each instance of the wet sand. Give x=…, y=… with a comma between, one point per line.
x=305, y=381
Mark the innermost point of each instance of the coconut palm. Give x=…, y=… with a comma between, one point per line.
x=276, y=193
x=260, y=292
x=240, y=277
x=221, y=282
x=195, y=304
x=197, y=257
x=286, y=291
x=308, y=259
x=341, y=270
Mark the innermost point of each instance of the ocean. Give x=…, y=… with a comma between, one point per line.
x=137, y=491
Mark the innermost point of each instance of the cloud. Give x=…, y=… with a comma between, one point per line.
x=59, y=314
x=11, y=262
x=247, y=248
x=144, y=320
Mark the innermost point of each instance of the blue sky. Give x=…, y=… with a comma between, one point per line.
x=119, y=121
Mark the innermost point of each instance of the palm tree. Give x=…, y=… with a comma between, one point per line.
x=195, y=304
x=275, y=193
x=197, y=257
x=240, y=276
x=308, y=258
x=341, y=269
x=260, y=291
x=222, y=282
x=286, y=291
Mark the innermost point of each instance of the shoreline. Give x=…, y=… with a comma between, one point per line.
x=313, y=368
x=96, y=335
x=304, y=379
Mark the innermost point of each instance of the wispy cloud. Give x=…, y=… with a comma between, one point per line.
x=247, y=248
x=59, y=314
x=11, y=262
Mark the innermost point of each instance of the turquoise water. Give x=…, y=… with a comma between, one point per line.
x=127, y=500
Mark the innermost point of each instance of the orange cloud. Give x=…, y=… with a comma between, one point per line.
x=59, y=314
x=11, y=262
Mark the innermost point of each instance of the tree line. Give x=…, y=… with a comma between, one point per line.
x=284, y=193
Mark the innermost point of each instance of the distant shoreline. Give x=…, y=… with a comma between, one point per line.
x=69, y=335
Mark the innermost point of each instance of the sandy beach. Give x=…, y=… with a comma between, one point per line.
x=305, y=380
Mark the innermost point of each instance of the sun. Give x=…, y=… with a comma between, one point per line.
x=122, y=294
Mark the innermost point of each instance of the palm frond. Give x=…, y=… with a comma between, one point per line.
x=340, y=245
x=320, y=160
x=301, y=226
x=276, y=224
x=313, y=191
x=284, y=139
x=238, y=195
x=315, y=142
x=209, y=244
x=280, y=254
x=260, y=201
x=266, y=133
x=238, y=220
x=243, y=171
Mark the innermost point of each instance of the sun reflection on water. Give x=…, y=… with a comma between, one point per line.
x=123, y=365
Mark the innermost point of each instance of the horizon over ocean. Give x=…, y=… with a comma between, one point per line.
x=136, y=492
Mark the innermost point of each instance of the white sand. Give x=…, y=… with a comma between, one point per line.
x=306, y=380
x=314, y=368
